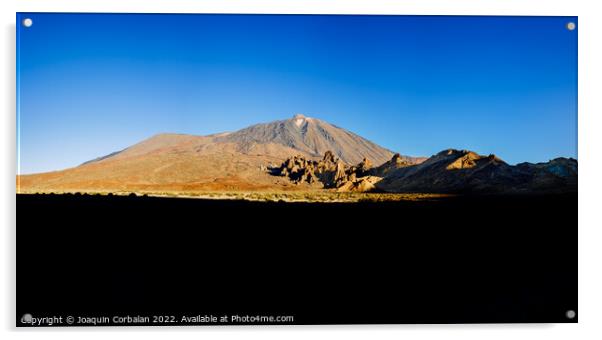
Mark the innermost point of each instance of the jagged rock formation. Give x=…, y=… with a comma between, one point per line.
x=329, y=172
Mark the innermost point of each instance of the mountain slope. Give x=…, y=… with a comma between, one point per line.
x=465, y=171
x=312, y=137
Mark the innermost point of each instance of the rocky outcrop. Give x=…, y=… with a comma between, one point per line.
x=466, y=161
x=330, y=172
x=396, y=162
x=297, y=169
x=362, y=184
x=364, y=167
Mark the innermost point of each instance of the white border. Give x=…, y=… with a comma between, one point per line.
x=590, y=165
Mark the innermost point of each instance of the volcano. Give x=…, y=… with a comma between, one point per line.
x=222, y=161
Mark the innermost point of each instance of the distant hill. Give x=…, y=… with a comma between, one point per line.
x=463, y=171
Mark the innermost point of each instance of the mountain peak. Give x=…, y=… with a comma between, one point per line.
x=299, y=116
x=299, y=119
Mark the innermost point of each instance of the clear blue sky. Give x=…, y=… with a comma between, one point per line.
x=91, y=84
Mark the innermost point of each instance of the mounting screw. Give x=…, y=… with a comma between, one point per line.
x=571, y=26
x=27, y=22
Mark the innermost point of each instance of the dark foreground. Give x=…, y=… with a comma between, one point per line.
x=457, y=260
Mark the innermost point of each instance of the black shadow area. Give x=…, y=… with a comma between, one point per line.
x=455, y=260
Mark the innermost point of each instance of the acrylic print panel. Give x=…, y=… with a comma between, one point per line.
x=180, y=170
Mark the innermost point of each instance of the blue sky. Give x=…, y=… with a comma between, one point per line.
x=91, y=84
